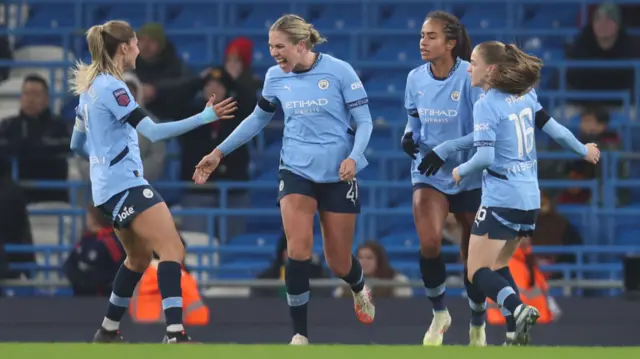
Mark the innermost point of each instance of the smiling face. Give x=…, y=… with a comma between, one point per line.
x=287, y=54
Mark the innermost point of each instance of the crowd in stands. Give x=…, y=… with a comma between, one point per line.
x=164, y=85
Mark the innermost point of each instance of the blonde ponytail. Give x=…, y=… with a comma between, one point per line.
x=103, y=41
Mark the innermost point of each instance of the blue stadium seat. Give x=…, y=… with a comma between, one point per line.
x=193, y=16
x=329, y=16
x=257, y=16
x=403, y=16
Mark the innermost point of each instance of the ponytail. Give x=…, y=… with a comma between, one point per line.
x=315, y=38
x=103, y=42
x=516, y=72
x=463, y=45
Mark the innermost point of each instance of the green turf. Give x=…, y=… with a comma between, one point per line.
x=205, y=351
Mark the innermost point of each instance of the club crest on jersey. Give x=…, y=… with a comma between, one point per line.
x=455, y=95
x=122, y=97
x=147, y=193
x=323, y=84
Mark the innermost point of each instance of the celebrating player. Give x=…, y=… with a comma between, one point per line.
x=439, y=100
x=105, y=134
x=319, y=160
x=504, y=121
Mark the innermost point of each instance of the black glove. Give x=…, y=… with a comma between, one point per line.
x=430, y=164
x=410, y=147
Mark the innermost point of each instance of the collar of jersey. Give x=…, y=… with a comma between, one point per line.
x=453, y=69
x=315, y=63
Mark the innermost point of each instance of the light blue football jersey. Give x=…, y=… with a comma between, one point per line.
x=114, y=155
x=444, y=108
x=316, y=104
x=507, y=123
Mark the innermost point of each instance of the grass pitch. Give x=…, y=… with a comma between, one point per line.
x=230, y=351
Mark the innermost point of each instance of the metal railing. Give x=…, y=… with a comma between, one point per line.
x=573, y=274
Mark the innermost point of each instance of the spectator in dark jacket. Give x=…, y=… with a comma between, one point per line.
x=235, y=167
x=168, y=85
x=38, y=139
x=92, y=264
x=237, y=62
x=605, y=38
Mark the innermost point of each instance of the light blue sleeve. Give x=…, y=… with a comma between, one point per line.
x=115, y=96
x=482, y=159
x=353, y=91
x=484, y=139
x=247, y=130
x=155, y=132
x=446, y=148
x=564, y=137
x=413, y=119
x=362, y=116
x=356, y=99
x=79, y=139
x=256, y=121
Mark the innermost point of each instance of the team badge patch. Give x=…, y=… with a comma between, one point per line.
x=122, y=97
x=323, y=84
x=455, y=95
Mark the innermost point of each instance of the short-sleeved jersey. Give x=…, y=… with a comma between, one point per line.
x=317, y=119
x=445, y=108
x=114, y=155
x=506, y=122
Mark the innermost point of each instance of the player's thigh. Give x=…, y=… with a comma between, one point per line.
x=139, y=251
x=483, y=252
x=298, y=206
x=430, y=210
x=464, y=206
x=499, y=228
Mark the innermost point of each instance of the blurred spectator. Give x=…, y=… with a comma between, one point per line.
x=92, y=264
x=237, y=62
x=5, y=54
x=375, y=265
x=605, y=38
x=276, y=271
x=234, y=167
x=578, y=171
x=594, y=127
x=38, y=139
x=15, y=227
x=553, y=229
x=168, y=85
x=532, y=285
x=146, y=303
